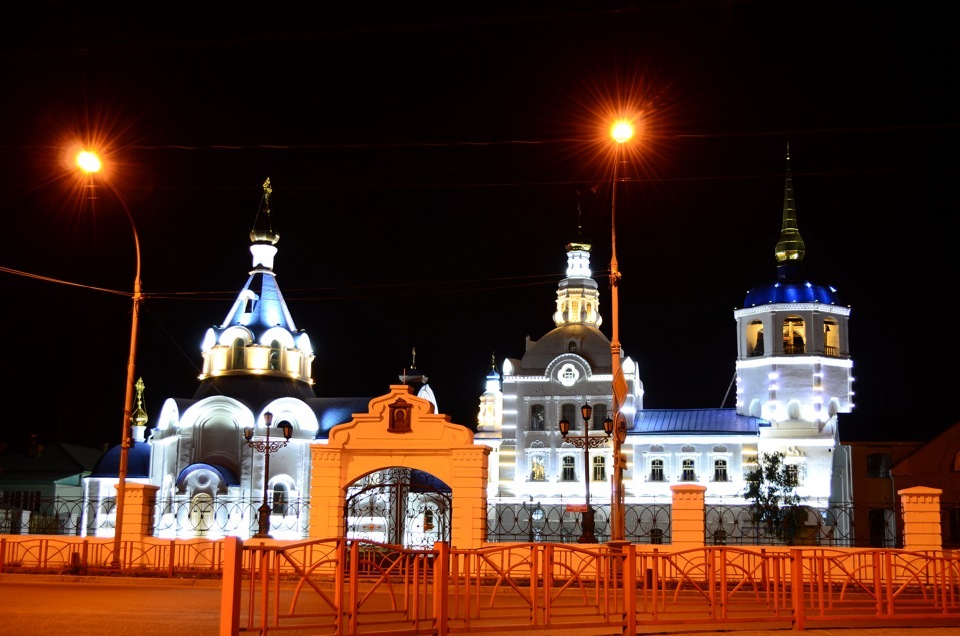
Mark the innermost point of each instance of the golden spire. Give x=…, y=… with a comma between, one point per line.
x=139, y=417
x=262, y=231
x=790, y=247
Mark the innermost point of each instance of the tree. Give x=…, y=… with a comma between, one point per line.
x=773, y=490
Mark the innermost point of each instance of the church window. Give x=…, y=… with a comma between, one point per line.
x=570, y=413
x=238, y=353
x=688, y=472
x=793, y=335
x=599, y=414
x=275, y=355
x=537, y=417
x=599, y=468
x=571, y=347
x=538, y=470
x=720, y=470
x=831, y=337
x=428, y=519
x=568, y=471
x=279, y=500
x=656, y=470
x=755, y=338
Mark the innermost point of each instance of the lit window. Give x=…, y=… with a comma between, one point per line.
x=793, y=474
x=720, y=470
x=656, y=470
x=599, y=468
x=538, y=471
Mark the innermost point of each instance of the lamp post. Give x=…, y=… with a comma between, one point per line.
x=586, y=442
x=266, y=447
x=621, y=132
x=89, y=163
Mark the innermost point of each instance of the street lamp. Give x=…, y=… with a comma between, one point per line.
x=620, y=132
x=586, y=442
x=266, y=447
x=90, y=163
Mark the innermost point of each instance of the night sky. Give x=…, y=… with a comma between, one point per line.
x=429, y=166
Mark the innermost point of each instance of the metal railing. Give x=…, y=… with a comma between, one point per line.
x=828, y=524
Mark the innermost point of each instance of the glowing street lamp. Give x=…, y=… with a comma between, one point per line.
x=266, y=447
x=90, y=163
x=620, y=132
x=586, y=442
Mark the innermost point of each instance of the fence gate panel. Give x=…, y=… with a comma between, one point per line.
x=401, y=506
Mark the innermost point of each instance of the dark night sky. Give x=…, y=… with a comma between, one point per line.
x=426, y=166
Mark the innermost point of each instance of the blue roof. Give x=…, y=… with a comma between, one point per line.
x=138, y=462
x=695, y=422
x=791, y=292
x=333, y=411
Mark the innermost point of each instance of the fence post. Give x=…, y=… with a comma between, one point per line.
x=231, y=585
x=921, y=518
x=441, y=586
x=630, y=587
x=796, y=587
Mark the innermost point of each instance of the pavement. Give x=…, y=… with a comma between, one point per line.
x=198, y=603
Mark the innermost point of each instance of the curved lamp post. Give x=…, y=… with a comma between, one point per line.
x=620, y=132
x=89, y=163
x=266, y=447
x=586, y=442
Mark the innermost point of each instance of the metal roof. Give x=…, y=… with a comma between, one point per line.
x=695, y=422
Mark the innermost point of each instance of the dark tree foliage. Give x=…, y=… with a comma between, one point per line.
x=772, y=489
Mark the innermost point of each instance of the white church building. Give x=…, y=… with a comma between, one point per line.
x=210, y=455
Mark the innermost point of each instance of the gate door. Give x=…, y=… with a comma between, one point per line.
x=400, y=506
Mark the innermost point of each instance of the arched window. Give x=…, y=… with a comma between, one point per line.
x=537, y=417
x=275, y=355
x=794, y=335
x=538, y=468
x=599, y=468
x=428, y=519
x=568, y=472
x=571, y=413
x=656, y=470
x=755, y=338
x=689, y=472
x=720, y=470
x=239, y=359
x=599, y=414
x=279, y=499
x=831, y=337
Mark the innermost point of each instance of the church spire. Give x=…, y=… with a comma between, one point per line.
x=790, y=249
x=578, y=300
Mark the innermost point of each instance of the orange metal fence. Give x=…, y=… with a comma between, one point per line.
x=346, y=587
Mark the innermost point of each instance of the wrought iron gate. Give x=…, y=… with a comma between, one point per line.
x=401, y=506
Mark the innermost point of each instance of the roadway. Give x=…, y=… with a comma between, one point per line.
x=65, y=605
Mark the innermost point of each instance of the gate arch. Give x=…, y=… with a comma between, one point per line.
x=428, y=460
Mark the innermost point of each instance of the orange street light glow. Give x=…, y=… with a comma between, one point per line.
x=621, y=131
x=88, y=161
